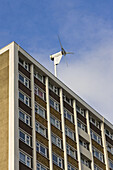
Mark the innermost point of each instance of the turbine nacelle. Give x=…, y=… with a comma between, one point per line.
x=57, y=56
x=53, y=56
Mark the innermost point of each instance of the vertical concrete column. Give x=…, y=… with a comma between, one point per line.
x=63, y=130
x=16, y=115
x=33, y=117
x=90, y=145
x=13, y=151
x=49, y=123
x=104, y=146
x=77, y=134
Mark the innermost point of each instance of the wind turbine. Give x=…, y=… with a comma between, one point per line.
x=57, y=56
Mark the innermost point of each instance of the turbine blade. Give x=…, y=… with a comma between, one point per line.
x=60, y=42
x=69, y=52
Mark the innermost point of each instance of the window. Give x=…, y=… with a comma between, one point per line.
x=54, y=104
x=71, y=151
x=68, y=115
x=56, y=140
x=96, y=167
x=39, y=110
x=39, y=92
x=84, y=144
x=86, y=162
x=108, y=133
x=25, y=159
x=40, y=129
x=70, y=167
x=82, y=126
x=95, y=137
x=55, y=122
x=67, y=100
x=69, y=133
x=24, y=80
x=24, y=117
x=57, y=160
x=25, y=138
x=110, y=148
x=38, y=76
x=24, y=99
x=24, y=64
x=95, y=122
x=40, y=167
x=110, y=164
x=53, y=88
x=41, y=149
x=81, y=111
x=98, y=154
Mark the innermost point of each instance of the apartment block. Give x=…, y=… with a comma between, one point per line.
x=44, y=125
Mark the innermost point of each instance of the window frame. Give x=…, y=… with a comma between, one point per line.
x=53, y=88
x=37, y=110
x=37, y=75
x=25, y=100
x=59, y=160
x=100, y=154
x=26, y=159
x=57, y=143
x=41, y=166
x=38, y=148
x=38, y=129
x=99, y=139
x=24, y=80
x=67, y=132
x=66, y=113
x=25, y=64
x=26, y=136
x=69, y=148
x=57, y=123
x=56, y=105
x=81, y=125
x=80, y=110
x=26, y=118
x=37, y=90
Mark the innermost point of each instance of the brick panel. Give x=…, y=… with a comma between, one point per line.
x=71, y=142
x=56, y=131
x=82, y=118
x=55, y=113
x=68, y=107
x=99, y=163
x=96, y=145
x=93, y=127
x=42, y=159
x=24, y=71
x=58, y=151
x=25, y=147
x=40, y=101
x=24, y=88
x=41, y=120
x=25, y=107
x=25, y=127
x=72, y=161
x=69, y=124
x=39, y=83
x=54, y=96
x=42, y=139
x=23, y=166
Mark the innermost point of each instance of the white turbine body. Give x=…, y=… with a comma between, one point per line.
x=56, y=58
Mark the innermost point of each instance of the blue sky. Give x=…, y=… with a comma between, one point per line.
x=84, y=26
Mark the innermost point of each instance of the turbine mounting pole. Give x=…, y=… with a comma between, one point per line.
x=55, y=70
